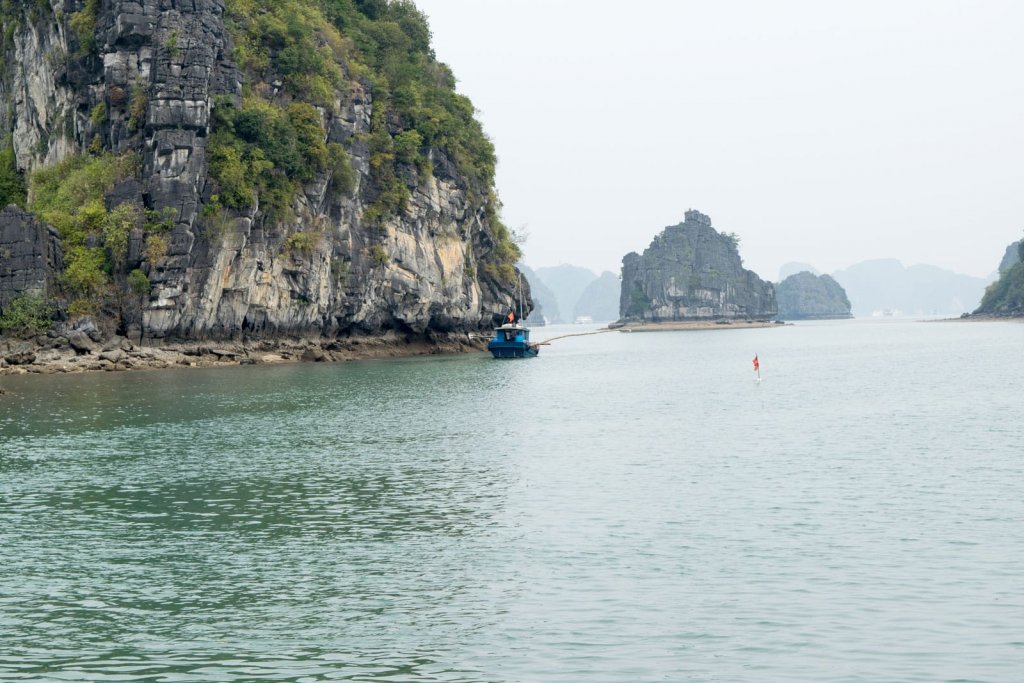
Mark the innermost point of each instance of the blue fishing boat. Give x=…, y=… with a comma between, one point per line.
x=512, y=340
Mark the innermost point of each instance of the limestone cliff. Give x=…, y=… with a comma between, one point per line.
x=30, y=255
x=692, y=272
x=1005, y=296
x=1011, y=256
x=805, y=296
x=270, y=171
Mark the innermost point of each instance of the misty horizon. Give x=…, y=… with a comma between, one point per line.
x=819, y=134
x=777, y=275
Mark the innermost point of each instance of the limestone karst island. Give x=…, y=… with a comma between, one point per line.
x=691, y=272
x=289, y=177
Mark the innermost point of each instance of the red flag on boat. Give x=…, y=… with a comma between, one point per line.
x=757, y=366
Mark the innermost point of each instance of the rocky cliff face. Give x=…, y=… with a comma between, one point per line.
x=1011, y=257
x=692, y=272
x=146, y=78
x=805, y=296
x=30, y=254
x=1005, y=296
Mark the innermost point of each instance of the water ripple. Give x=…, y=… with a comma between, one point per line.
x=625, y=508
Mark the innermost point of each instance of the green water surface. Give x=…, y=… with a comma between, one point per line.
x=626, y=507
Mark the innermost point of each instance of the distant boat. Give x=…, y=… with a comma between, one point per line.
x=512, y=340
x=583, y=320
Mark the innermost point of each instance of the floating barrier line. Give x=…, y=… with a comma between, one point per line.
x=576, y=334
x=547, y=342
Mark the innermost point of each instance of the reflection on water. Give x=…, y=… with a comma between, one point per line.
x=626, y=507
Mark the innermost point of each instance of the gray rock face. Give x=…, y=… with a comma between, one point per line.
x=29, y=255
x=420, y=272
x=691, y=272
x=37, y=102
x=81, y=342
x=805, y=296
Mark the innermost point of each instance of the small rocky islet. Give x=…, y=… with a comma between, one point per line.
x=692, y=272
x=806, y=296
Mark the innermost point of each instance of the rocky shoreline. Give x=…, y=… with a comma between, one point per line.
x=80, y=352
x=980, y=318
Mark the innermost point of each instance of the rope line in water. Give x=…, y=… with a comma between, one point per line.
x=575, y=334
x=546, y=342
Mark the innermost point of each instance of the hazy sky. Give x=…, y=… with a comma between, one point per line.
x=827, y=133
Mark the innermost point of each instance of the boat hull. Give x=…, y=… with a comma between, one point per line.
x=512, y=350
x=512, y=340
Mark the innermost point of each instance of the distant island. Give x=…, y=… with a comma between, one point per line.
x=545, y=304
x=806, y=296
x=886, y=286
x=568, y=293
x=874, y=287
x=692, y=272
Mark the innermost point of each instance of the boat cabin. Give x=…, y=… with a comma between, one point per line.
x=512, y=333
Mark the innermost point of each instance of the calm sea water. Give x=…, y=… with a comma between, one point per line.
x=626, y=507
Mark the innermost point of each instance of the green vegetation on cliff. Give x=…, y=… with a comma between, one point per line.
x=271, y=150
x=300, y=55
x=315, y=48
x=70, y=197
x=27, y=314
x=273, y=141
x=1005, y=296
